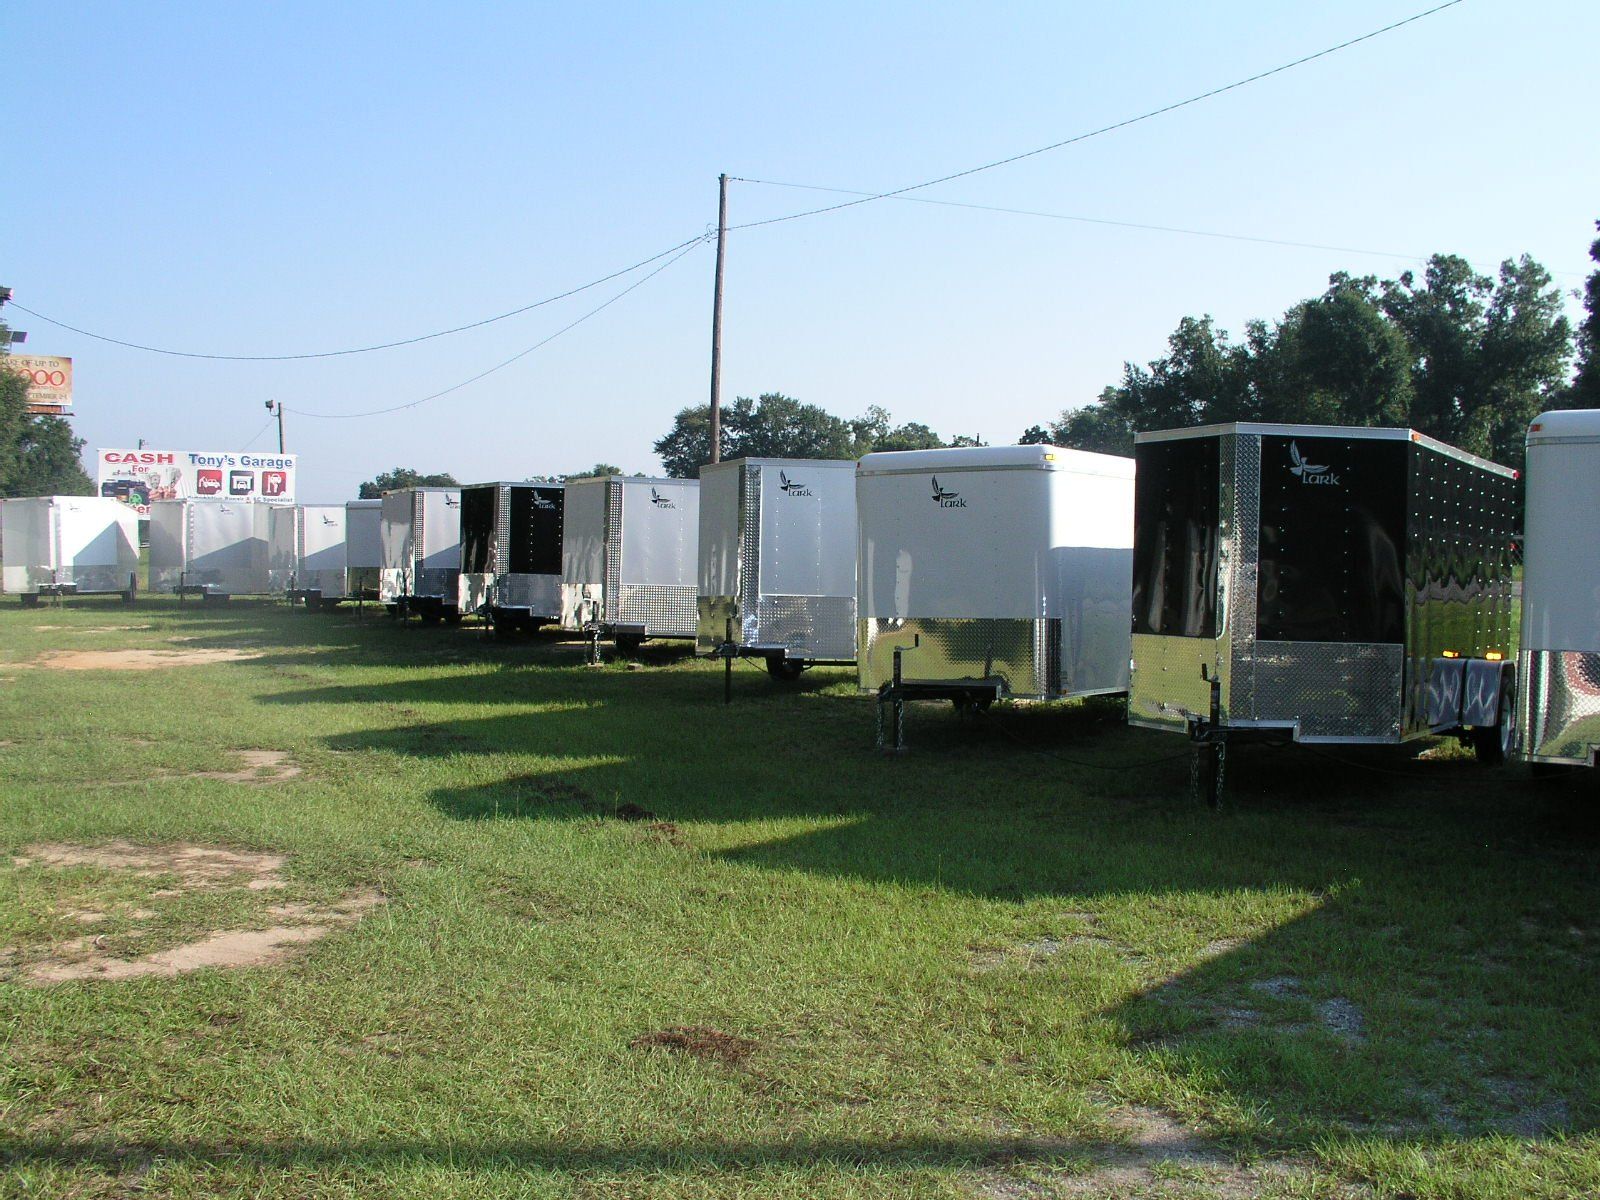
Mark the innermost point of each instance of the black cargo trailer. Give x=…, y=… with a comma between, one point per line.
x=511, y=553
x=1320, y=584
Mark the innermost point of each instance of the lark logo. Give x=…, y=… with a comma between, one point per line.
x=946, y=499
x=661, y=501
x=544, y=502
x=329, y=521
x=1307, y=472
x=452, y=501
x=792, y=487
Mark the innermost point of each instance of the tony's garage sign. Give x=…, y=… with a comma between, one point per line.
x=138, y=477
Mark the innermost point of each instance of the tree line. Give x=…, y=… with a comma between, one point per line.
x=777, y=426
x=1461, y=356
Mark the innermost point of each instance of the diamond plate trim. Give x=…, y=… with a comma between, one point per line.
x=663, y=611
x=611, y=592
x=1558, y=712
x=810, y=627
x=1330, y=690
x=749, y=548
x=537, y=594
x=1243, y=569
x=1025, y=652
x=502, y=530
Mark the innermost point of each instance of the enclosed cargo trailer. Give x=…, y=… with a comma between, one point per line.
x=628, y=557
x=511, y=553
x=1317, y=583
x=993, y=571
x=68, y=546
x=777, y=573
x=210, y=548
x=1558, y=707
x=363, y=548
x=307, y=553
x=422, y=553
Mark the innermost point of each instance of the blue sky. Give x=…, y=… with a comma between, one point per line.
x=297, y=177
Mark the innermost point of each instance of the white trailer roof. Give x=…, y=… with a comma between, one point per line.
x=1564, y=425
x=979, y=458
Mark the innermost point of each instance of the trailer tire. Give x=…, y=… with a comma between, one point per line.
x=628, y=643
x=785, y=669
x=1491, y=744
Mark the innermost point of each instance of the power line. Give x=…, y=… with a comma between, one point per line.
x=1054, y=216
x=1104, y=129
x=256, y=437
x=411, y=341
x=455, y=387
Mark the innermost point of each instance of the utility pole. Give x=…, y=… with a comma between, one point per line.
x=716, y=321
x=278, y=406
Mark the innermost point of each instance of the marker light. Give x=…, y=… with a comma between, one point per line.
x=1494, y=656
x=1451, y=653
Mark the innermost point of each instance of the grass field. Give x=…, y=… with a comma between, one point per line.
x=1015, y=963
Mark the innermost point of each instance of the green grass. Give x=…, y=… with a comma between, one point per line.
x=958, y=969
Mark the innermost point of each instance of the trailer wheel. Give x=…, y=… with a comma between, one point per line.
x=628, y=643
x=1492, y=744
x=785, y=669
x=29, y=599
x=453, y=617
x=503, y=626
x=428, y=616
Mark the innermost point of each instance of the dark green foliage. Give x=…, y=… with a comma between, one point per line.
x=38, y=455
x=1458, y=355
x=402, y=477
x=1585, y=392
x=779, y=426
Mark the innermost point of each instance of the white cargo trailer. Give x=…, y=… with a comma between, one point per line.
x=210, y=548
x=422, y=553
x=993, y=571
x=1315, y=583
x=511, y=553
x=363, y=547
x=777, y=577
x=307, y=553
x=628, y=557
x=69, y=546
x=1558, y=709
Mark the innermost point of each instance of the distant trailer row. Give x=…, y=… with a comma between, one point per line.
x=1241, y=582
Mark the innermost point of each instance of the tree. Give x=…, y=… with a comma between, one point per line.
x=1463, y=357
x=39, y=456
x=402, y=477
x=1585, y=390
x=593, y=472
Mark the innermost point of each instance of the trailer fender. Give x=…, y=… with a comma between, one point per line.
x=1480, y=697
x=1446, y=680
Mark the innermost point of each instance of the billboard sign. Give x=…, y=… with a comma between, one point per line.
x=49, y=382
x=137, y=477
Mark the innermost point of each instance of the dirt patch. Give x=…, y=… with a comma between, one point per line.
x=1152, y=1154
x=137, y=660
x=1343, y=1019
x=196, y=868
x=260, y=767
x=710, y=1045
x=632, y=812
x=93, y=628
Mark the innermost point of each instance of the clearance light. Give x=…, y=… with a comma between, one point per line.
x=1535, y=427
x=1494, y=656
x=1451, y=653
x=1049, y=458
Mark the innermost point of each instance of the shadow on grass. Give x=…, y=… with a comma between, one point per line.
x=899, y=1155
x=1438, y=982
